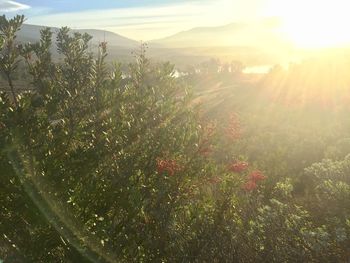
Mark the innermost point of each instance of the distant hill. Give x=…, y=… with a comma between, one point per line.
x=31, y=33
x=255, y=43
x=259, y=34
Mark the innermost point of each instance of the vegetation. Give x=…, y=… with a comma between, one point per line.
x=100, y=166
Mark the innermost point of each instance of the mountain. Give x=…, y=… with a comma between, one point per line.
x=262, y=34
x=31, y=33
x=256, y=43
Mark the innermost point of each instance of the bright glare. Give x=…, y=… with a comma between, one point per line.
x=314, y=23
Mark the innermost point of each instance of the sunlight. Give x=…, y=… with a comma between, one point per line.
x=314, y=24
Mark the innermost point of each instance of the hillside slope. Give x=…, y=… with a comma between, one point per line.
x=260, y=34
x=31, y=33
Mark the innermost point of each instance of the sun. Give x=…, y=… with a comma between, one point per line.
x=314, y=23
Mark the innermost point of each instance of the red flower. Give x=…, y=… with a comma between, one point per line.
x=253, y=179
x=160, y=166
x=250, y=186
x=256, y=176
x=168, y=166
x=238, y=167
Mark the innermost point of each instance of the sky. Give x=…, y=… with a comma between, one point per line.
x=136, y=19
x=307, y=22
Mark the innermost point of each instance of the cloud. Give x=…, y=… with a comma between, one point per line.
x=11, y=6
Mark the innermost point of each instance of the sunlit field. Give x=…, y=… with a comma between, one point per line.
x=222, y=136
